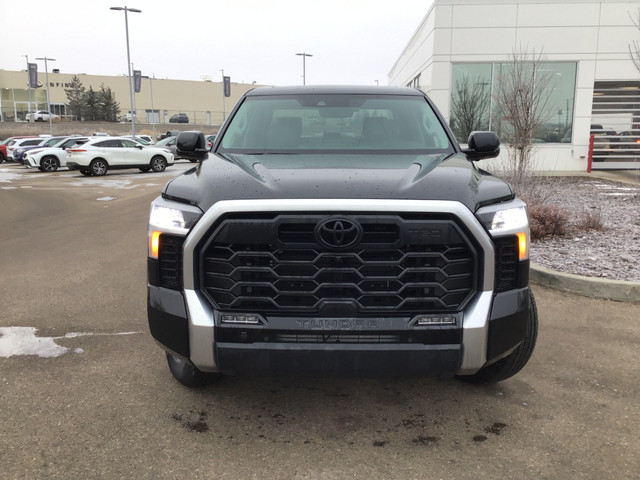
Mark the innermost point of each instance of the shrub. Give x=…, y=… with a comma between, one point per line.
x=590, y=221
x=547, y=221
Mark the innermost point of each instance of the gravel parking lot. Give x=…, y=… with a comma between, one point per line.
x=72, y=251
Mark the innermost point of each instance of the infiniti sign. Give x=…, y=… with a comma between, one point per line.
x=338, y=232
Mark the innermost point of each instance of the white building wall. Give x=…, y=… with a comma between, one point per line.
x=593, y=33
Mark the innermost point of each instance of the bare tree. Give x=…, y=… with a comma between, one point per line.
x=522, y=99
x=469, y=107
x=634, y=47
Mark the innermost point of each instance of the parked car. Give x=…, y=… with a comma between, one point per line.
x=41, y=116
x=99, y=155
x=3, y=147
x=179, y=118
x=128, y=116
x=49, y=159
x=18, y=153
x=20, y=142
x=211, y=140
x=603, y=142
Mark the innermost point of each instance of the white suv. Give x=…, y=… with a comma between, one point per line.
x=99, y=155
x=42, y=116
x=49, y=159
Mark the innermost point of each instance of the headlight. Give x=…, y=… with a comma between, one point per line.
x=508, y=219
x=169, y=217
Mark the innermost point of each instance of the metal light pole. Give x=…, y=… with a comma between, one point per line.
x=224, y=113
x=126, y=27
x=304, y=73
x=46, y=71
x=28, y=82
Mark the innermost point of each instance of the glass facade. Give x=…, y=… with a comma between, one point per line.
x=14, y=102
x=474, y=106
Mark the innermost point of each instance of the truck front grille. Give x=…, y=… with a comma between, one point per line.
x=401, y=265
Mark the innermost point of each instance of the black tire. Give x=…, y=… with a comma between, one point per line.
x=158, y=163
x=85, y=172
x=39, y=119
x=1, y=158
x=185, y=372
x=145, y=169
x=98, y=167
x=193, y=160
x=49, y=164
x=510, y=365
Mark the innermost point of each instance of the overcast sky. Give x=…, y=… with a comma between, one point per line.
x=352, y=41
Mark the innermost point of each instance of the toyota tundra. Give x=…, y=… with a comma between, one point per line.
x=340, y=229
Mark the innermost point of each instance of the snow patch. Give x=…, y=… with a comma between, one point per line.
x=23, y=341
x=7, y=177
x=105, y=199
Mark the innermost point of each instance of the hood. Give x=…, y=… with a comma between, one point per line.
x=349, y=176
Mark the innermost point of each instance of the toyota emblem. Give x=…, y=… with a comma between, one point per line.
x=338, y=232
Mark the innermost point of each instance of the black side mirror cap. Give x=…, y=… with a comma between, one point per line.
x=482, y=145
x=192, y=145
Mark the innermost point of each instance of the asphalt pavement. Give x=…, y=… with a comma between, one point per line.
x=86, y=393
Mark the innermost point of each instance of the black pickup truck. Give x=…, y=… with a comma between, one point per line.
x=340, y=229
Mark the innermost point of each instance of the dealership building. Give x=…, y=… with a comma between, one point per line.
x=461, y=49
x=159, y=99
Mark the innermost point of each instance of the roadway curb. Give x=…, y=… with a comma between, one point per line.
x=617, y=290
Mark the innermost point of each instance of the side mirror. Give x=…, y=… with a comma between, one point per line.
x=482, y=145
x=192, y=145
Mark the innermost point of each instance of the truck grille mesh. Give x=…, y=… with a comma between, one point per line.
x=170, y=261
x=276, y=265
x=506, y=256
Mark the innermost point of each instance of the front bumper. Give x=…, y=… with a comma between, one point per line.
x=488, y=328
x=178, y=320
x=30, y=162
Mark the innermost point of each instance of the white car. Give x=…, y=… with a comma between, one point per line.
x=99, y=155
x=22, y=142
x=51, y=158
x=42, y=116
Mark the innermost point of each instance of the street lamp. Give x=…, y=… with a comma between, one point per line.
x=46, y=71
x=304, y=55
x=126, y=27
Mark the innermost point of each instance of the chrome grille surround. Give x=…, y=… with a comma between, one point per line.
x=475, y=314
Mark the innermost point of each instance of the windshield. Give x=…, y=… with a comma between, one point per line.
x=165, y=142
x=333, y=123
x=53, y=141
